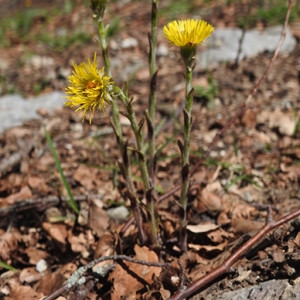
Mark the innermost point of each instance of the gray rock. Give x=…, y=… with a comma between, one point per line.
x=269, y=290
x=223, y=44
x=118, y=213
x=14, y=109
x=129, y=42
x=38, y=61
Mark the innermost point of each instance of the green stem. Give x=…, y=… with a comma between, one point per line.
x=104, y=48
x=118, y=131
x=153, y=79
x=185, y=157
x=142, y=163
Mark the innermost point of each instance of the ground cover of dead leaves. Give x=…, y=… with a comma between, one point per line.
x=255, y=163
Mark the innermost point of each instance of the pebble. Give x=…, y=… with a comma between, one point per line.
x=129, y=42
x=118, y=213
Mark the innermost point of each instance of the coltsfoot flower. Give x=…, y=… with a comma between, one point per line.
x=187, y=33
x=89, y=88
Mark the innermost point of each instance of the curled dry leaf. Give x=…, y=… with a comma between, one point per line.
x=285, y=122
x=58, y=232
x=50, y=283
x=249, y=118
x=242, y=225
x=242, y=210
x=208, y=201
x=24, y=193
x=297, y=239
x=223, y=219
x=23, y=293
x=38, y=184
x=68, y=269
x=106, y=245
x=78, y=243
x=243, y=275
x=98, y=220
x=277, y=254
x=202, y=227
x=8, y=243
x=129, y=278
x=209, y=248
x=85, y=176
x=35, y=255
x=219, y=235
x=30, y=275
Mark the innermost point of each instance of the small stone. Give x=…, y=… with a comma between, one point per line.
x=38, y=61
x=129, y=43
x=118, y=213
x=162, y=50
x=41, y=266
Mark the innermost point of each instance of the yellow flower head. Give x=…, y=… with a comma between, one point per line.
x=187, y=33
x=89, y=88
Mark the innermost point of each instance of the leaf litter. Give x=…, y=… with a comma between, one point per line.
x=254, y=163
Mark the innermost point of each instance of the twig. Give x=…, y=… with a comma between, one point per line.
x=83, y=290
x=78, y=277
x=225, y=267
x=241, y=110
x=40, y=203
x=15, y=158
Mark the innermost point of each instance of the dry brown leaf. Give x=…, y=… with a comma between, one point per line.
x=242, y=210
x=68, y=269
x=192, y=257
x=209, y=248
x=45, y=161
x=15, y=180
x=50, y=283
x=277, y=254
x=35, y=255
x=243, y=275
x=245, y=226
x=106, y=245
x=202, y=227
x=249, y=118
x=85, y=176
x=128, y=282
x=23, y=293
x=223, y=219
x=250, y=193
x=297, y=239
x=8, y=281
x=285, y=122
x=208, y=201
x=38, y=184
x=30, y=275
x=200, y=176
x=78, y=243
x=219, y=235
x=58, y=232
x=8, y=243
x=24, y=193
x=98, y=220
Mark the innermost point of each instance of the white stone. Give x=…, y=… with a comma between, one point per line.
x=41, y=266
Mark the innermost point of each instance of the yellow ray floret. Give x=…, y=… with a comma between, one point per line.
x=188, y=32
x=89, y=88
